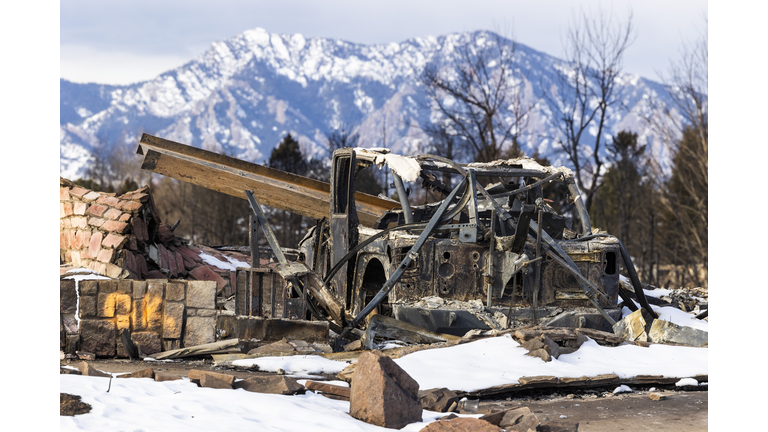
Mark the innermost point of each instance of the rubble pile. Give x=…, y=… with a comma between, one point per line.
x=123, y=237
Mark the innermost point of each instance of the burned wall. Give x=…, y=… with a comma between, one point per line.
x=159, y=315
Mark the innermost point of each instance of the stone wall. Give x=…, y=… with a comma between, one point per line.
x=159, y=314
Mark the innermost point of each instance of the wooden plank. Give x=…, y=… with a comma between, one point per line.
x=274, y=188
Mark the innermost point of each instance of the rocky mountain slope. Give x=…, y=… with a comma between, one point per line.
x=242, y=95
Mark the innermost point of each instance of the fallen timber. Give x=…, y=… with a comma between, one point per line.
x=479, y=244
x=275, y=188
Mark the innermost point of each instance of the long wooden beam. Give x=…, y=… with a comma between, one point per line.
x=274, y=188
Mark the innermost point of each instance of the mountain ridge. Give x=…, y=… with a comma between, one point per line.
x=243, y=94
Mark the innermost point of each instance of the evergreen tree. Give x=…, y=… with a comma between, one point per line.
x=286, y=156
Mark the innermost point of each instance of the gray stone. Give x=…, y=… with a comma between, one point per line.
x=87, y=307
x=635, y=326
x=98, y=336
x=199, y=331
x=139, y=289
x=540, y=353
x=461, y=424
x=437, y=399
x=667, y=332
x=148, y=342
x=382, y=393
x=174, y=291
x=270, y=384
x=201, y=294
x=88, y=287
x=125, y=287
x=88, y=370
x=173, y=320
x=67, y=297
x=107, y=286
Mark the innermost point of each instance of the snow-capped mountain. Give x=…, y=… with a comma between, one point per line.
x=242, y=95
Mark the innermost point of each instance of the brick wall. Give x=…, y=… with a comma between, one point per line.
x=159, y=314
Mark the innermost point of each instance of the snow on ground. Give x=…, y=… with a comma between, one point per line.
x=232, y=265
x=140, y=404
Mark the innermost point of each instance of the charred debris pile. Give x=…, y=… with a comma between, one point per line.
x=505, y=245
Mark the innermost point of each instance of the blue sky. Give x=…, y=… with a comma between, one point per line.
x=124, y=42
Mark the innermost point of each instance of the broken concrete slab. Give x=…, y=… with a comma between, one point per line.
x=270, y=384
x=382, y=393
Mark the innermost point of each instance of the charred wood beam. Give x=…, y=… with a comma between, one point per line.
x=275, y=188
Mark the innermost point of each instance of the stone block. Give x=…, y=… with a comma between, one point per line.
x=278, y=384
x=114, y=241
x=82, y=239
x=113, y=214
x=105, y=305
x=107, y=286
x=144, y=373
x=174, y=291
x=635, y=326
x=461, y=424
x=114, y=226
x=108, y=200
x=199, y=331
x=173, y=320
x=125, y=217
x=91, y=196
x=382, y=393
x=148, y=342
x=96, y=210
x=64, y=193
x=87, y=370
x=80, y=208
x=105, y=255
x=138, y=315
x=98, y=336
x=153, y=303
x=79, y=222
x=97, y=222
x=139, y=289
x=87, y=306
x=95, y=244
x=115, y=271
x=123, y=322
x=122, y=304
x=67, y=296
x=437, y=399
x=667, y=332
x=88, y=287
x=165, y=376
x=125, y=287
x=129, y=206
x=205, y=273
x=66, y=209
x=201, y=294
x=78, y=191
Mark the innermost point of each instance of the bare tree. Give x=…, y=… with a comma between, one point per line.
x=479, y=99
x=588, y=91
x=683, y=127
